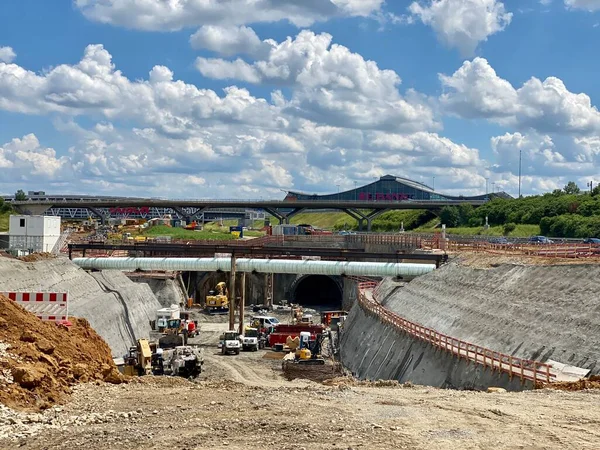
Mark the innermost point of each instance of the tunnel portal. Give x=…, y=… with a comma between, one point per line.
x=319, y=292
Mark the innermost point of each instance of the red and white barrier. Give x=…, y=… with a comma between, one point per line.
x=48, y=306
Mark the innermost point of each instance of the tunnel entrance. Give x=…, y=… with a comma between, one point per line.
x=319, y=292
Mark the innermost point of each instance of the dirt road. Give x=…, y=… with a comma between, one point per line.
x=242, y=402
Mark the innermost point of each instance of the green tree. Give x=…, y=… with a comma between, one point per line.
x=571, y=188
x=509, y=228
x=450, y=216
x=20, y=195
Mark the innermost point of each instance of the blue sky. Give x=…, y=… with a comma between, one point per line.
x=361, y=88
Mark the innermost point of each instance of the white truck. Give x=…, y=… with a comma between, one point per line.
x=230, y=343
x=250, y=339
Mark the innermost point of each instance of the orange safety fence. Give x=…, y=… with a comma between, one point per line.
x=523, y=368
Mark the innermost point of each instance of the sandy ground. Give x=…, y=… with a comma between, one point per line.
x=243, y=402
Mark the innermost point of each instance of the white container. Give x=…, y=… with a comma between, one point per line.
x=35, y=233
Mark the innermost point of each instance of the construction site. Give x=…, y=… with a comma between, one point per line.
x=315, y=342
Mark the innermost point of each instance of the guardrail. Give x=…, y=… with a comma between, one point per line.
x=525, y=369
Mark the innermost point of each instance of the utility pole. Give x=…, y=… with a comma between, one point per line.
x=520, y=151
x=232, y=294
x=242, y=302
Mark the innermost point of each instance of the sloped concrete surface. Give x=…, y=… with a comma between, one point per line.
x=534, y=312
x=374, y=351
x=117, y=308
x=167, y=291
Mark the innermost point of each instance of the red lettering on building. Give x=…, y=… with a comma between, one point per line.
x=387, y=197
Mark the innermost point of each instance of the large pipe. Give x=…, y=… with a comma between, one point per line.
x=304, y=267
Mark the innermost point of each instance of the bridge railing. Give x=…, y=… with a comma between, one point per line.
x=525, y=369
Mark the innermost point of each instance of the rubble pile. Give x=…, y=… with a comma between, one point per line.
x=41, y=361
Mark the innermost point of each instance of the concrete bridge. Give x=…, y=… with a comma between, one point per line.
x=364, y=211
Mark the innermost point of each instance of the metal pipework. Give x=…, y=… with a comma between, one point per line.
x=302, y=267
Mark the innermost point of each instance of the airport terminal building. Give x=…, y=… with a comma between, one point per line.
x=389, y=188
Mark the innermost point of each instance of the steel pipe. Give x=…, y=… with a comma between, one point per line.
x=304, y=267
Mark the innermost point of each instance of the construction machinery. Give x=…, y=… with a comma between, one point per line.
x=139, y=359
x=303, y=351
x=217, y=300
x=184, y=361
x=230, y=342
x=250, y=339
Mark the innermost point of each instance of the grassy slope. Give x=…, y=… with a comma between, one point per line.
x=180, y=233
x=520, y=231
x=324, y=219
x=4, y=220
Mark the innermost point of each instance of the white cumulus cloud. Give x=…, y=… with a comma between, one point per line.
x=476, y=91
x=162, y=15
x=330, y=84
x=462, y=23
x=7, y=55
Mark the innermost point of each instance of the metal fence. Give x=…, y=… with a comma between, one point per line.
x=525, y=369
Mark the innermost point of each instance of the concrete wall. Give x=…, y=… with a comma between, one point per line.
x=373, y=351
x=536, y=312
x=119, y=317
x=167, y=291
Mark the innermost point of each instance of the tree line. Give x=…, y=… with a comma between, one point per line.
x=564, y=212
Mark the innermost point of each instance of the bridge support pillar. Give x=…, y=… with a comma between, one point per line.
x=103, y=217
x=275, y=213
x=242, y=302
x=373, y=215
x=232, y=294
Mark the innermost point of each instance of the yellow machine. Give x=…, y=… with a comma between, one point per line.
x=217, y=301
x=139, y=360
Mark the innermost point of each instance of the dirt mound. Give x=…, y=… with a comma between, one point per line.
x=36, y=257
x=40, y=361
x=292, y=371
x=592, y=382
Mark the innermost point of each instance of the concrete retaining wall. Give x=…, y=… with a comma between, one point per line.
x=372, y=350
x=119, y=317
x=534, y=312
x=167, y=291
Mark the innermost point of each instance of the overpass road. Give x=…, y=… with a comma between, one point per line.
x=361, y=210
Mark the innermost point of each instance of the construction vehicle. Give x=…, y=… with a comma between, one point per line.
x=230, y=343
x=174, y=334
x=184, y=361
x=139, y=359
x=303, y=351
x=217, y=301
x=250, y=339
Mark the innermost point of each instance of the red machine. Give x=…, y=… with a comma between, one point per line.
x=281, y=332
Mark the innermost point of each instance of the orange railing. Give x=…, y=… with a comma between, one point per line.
x=525, y=369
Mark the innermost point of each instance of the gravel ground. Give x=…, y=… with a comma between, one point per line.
x=243, y=402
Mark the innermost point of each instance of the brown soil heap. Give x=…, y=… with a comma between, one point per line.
x=40, y=361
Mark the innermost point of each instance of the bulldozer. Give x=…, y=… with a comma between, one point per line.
x=139, y=359
x=217, y=300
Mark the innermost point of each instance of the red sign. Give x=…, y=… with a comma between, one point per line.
x=379, y=196
x=127, y=211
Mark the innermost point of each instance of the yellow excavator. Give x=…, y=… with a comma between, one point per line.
x=217, y=300
x=300, y=350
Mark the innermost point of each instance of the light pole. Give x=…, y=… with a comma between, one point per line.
x=493, y=187
x=433, y=184
x=520, y=151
